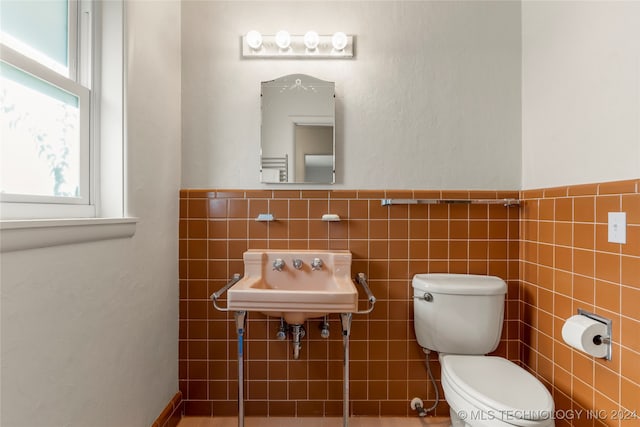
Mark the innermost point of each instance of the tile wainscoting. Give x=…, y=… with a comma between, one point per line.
x=553, y=252
x=567, y=263
x=389, y=244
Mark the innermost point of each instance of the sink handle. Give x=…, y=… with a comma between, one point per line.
x=316, y=264
x=218, y=293
x=361, y=279
x=278, y=264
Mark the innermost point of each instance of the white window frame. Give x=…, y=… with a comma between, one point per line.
x=109, y=219
x=80, y=77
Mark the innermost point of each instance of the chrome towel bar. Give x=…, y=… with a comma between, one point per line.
x=504, y=202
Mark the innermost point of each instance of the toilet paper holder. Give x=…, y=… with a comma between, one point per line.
x=599, y=340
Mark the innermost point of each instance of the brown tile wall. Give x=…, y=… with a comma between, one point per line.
x=389, y=244
x=566, y=264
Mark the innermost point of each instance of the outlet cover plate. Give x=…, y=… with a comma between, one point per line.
x=617, y=227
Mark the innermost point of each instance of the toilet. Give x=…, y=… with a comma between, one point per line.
x=460, y=316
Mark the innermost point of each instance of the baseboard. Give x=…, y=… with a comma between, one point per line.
x=171, y=414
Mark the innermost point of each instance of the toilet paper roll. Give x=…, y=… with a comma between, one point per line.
x=580, y=331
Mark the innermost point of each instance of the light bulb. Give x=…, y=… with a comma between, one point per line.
x=283, y=39
x=339, y=40
x=254, y=39
x=311, y=40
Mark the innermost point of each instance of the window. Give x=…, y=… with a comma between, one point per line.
x=46, y=106
x=61, y=89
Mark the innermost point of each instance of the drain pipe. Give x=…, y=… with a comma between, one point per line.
x=298, y=332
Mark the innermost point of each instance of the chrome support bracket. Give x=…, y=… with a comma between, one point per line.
x=361, y=279
x=214, y=296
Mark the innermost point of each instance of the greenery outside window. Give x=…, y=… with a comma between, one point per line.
x=46, y=109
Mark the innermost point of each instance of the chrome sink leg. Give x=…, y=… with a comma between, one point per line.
x=241, y=322
x=345, y=320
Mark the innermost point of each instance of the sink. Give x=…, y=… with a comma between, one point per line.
x=272, y=284
x=294, y=285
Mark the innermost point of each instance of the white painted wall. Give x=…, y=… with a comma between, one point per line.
x=580, y=92
x=89, y=332
x=431, y=100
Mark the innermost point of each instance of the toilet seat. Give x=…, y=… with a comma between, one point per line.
x=499, y=388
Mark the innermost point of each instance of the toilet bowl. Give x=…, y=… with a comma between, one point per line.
x=461, y=317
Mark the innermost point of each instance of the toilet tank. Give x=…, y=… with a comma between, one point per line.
x=458, y=313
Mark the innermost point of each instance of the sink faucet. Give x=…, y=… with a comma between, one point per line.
x=278, y=264
x=316, y=264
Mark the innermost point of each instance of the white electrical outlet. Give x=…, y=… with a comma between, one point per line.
x=617, y=227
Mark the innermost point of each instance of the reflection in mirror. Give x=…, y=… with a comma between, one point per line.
x=297, y=132
x=318, y=167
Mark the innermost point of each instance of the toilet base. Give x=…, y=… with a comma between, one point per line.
x=456, y=421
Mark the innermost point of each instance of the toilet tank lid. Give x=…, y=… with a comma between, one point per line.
x=459, y=284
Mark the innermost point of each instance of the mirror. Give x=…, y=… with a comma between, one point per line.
x=298, y=130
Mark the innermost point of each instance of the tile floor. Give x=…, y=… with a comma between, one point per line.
x=315, y=422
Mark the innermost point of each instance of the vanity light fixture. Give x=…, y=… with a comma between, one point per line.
x=311, y=40
x=339, y=41
x=283, y=39
x=290, y=46
x=254, y=39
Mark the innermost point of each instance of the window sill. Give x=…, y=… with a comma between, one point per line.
x=17, y=235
